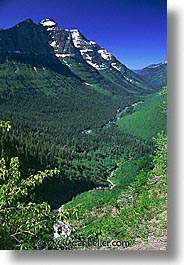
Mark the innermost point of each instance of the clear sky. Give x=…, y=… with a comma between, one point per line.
x=132, y=30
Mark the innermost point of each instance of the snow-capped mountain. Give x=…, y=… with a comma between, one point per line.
x=61, y=40
x=65, y=41
x=73, y=48
x=73, y=43
x=69, y=52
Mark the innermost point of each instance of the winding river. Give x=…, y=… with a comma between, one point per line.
x=119, y=112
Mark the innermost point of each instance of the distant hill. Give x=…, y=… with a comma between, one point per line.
x=136, y=71
x=155, y=75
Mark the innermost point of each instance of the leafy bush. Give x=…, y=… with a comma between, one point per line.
x=22, y=224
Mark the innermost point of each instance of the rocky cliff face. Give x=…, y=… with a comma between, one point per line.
x=72, y=47
x=61, y=40
x=69, y=51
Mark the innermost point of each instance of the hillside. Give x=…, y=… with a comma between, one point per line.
x=146, y=119
x=155, y=75
x=135, y=213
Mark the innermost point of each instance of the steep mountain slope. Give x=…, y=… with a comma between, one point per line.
x=25, y=37
x=33, y=65
x=28, y=43
x=91, y=62
x=39, y=89
x=31, y=73
x=155, y=75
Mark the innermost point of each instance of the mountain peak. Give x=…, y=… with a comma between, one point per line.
x=48, y=22
x=29, y=20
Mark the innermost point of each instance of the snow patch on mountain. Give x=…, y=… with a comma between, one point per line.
x=66, y=63
x=53, y=44
x=97, y=66
x=128, y=79
x=115, y=66
x=87, y=57
x=105, y=54
x=35, y=69
x=92, y=42
x=85, y=51
x=88, y=84
x=76, y=37
x=63, y=55
x=48, y=22
x=51, y=28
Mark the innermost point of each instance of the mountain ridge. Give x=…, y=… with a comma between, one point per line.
x=73, y=48
x=71, y=52
x=155, y=75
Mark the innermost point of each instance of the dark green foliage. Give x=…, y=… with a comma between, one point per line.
x=21, y=223
x=50, y=113
x=25, y=37
x=109, y=81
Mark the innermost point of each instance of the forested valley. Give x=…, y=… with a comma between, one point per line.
x=59, y=122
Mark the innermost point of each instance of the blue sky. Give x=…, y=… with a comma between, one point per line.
x=133, y=30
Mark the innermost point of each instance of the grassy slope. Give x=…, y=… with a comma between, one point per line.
x=68, y=94
x=137, y=212
x=147, y=120
x=108, y=82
